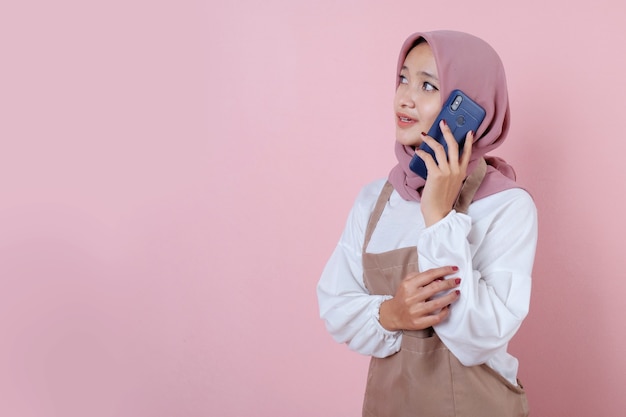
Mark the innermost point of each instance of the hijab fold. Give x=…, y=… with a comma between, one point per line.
x=469, y=64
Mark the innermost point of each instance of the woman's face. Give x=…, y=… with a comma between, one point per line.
x=417, y=102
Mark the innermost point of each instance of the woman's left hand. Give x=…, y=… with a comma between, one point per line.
x=445, y=177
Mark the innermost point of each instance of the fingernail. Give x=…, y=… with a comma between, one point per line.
x=444, y=122
x=458, y=292
x=423, y=134
x=455, y=268
x=472, y=133
x=457, y=281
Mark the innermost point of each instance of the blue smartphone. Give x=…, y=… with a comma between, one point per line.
x=462, y=114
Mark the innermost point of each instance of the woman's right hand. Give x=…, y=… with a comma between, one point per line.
x=413, y=306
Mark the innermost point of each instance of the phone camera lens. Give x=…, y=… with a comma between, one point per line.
x=456, y=103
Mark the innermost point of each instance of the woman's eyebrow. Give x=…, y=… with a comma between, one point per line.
x=424, y=73
x=428, y=74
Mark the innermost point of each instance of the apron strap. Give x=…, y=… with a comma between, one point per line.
x=470, y=186
x=378, y=211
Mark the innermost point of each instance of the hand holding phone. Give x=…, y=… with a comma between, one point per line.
x=462, y=114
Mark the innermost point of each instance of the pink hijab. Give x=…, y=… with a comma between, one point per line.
x=467, y=63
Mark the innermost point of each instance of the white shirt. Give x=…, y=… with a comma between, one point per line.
x=493, y=246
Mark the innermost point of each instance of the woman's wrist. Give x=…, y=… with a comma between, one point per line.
x=432, y=218
x=386, y=316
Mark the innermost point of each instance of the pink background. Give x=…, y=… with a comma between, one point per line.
x=174, y=176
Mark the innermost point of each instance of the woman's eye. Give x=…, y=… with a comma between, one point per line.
x=429, y=87
x=403, y=79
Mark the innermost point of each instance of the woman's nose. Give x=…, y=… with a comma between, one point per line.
x=407, y=98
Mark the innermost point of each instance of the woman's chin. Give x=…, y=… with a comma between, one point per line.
x=409, y=142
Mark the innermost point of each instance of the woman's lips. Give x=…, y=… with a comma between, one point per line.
x=405, y=121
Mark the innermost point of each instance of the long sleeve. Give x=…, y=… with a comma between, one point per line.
x=495, y=254
x=349, y=311
x=493, y=246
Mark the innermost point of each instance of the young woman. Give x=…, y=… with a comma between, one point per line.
x=432, y=277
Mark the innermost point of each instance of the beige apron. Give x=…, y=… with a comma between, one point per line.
x=424, y=378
